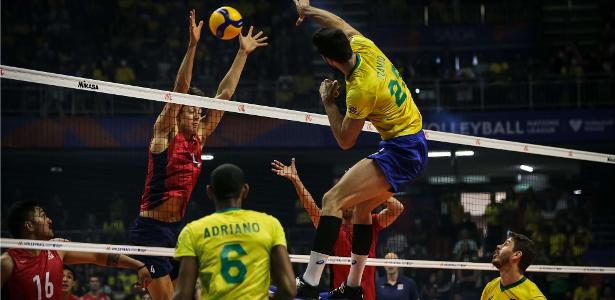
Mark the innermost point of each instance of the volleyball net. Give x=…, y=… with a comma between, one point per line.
x=85, y=159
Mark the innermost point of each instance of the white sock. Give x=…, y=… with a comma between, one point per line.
x=356, y=269
x=314, y=268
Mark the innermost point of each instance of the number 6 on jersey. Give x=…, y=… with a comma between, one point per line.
x=233, y=270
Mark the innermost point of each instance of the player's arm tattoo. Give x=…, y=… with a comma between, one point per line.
x=112, y=260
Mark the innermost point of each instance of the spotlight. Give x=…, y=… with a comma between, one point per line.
x=439, y=154
x=464, y=153
x=526, y=168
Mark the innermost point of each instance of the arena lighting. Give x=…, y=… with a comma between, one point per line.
x=464, y=153
x=207, y=156
x=577, y=192
x=526, y=168
x=439, y=154
x=418, y=91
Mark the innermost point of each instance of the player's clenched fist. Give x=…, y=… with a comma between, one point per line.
x=329, y=90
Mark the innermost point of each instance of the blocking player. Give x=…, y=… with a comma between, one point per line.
x=344, y=241
x=175, y=162
x=376, y=92
x=38, y=274
x=234, y=252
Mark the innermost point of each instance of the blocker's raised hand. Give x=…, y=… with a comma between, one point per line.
x=288, y=172
x=195, y=30
x=250, y=42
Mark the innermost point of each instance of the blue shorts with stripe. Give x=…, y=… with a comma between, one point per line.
x=153, y=233
x=402, y=159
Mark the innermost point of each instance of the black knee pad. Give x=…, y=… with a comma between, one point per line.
x=326, y=234
x=361, y=238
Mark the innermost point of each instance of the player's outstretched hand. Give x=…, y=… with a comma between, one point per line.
x=145, y=278
x=195, y=30
x=288, y=172
x=329, y=90
x=250, y=42
x=301, y=6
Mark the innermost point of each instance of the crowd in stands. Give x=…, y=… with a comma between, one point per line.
x=142, y=42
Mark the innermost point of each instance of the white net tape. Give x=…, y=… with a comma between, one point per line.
x=423, y=264
x=277, y=113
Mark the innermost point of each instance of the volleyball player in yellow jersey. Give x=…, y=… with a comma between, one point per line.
x=512, y=259
x=234, y=252
x=376, y=92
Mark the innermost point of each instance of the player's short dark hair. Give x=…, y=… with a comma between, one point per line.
x=19, y=213
x=67, y=267
x=527, y=248
x=332, y=43
x=227, y=181
x=196, y=91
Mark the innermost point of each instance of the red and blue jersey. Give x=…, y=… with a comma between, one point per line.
x=35, y=277
x=172, y=173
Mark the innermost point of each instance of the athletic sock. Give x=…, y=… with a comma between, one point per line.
x=314, y=268
x=361, y=243
x=326, y=235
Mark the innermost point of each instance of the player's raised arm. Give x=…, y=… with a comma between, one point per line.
x=226, y=89
x=184, y=75
x=323, y=18
x=167, y=120
x=290, y=173
x=247, y=45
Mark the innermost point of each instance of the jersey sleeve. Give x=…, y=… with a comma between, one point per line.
x=361, y=44
x=185, y=245
x=359, y=103
x=277, y=233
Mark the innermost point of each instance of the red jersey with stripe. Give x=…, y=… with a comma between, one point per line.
x=36, y=277
x=343, y=247
x=172, y=173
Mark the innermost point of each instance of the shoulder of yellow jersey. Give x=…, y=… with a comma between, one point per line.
x=494, y=282
x=534, y=290
x=359, y=43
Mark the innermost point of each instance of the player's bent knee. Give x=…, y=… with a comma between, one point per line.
x=330, y=202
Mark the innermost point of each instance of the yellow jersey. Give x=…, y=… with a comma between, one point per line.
x=376, y=91
x=524, y=289
x=233, y=250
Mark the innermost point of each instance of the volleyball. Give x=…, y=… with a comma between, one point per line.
x=225, y=23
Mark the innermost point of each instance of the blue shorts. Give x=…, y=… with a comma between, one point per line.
x=153, y=233
x=402, y=159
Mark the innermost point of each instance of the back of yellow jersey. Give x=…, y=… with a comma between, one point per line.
x=520, y=290
x=233, y=249
x=376, y=91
